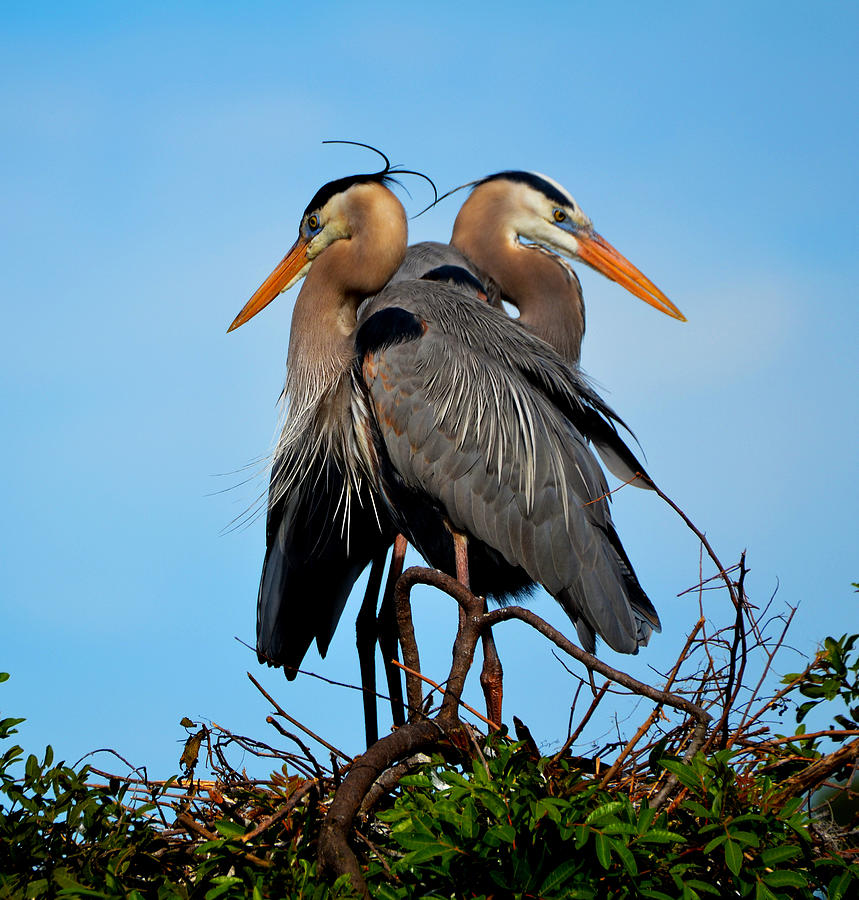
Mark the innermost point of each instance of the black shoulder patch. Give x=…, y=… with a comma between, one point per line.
x=385, y=328
x=455, y=275
x=546, y=188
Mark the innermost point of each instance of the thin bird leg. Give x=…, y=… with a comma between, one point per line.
x=386, y=626
x=492, y=673
x=365, y=637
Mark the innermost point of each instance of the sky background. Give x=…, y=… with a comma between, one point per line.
x=154, y=163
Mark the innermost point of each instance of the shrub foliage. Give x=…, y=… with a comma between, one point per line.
x=738, y=811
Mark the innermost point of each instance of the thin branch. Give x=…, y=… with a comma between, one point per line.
x=289, y=718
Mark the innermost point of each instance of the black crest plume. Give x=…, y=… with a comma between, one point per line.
x=387, y=176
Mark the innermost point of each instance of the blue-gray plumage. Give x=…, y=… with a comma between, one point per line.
x=470, y=431
x=428, y=408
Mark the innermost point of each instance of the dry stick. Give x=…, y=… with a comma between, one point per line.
x=702, y=581
x=770, y=657
x=389, y=779
x=573, y=704
x=592, y=662
x=581, y=727
x=818, y=771
x=785, y=690
x=297, y=671
x=186, y=820
x=411, y=657
x=701, y=537
x=462, y=661
x=799, y=738
x=615, y=767
x=294, y=798
x=335, y=856
x=735, y=592
x=289, y=718
x=442, y=691
x=732, y=687
x=699, y=733
x=320, y=775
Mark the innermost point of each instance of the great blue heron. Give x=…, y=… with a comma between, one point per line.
x=435, y=411
x=512, y=233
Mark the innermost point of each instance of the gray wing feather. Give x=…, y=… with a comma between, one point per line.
x=507, y=465
x=428, y=255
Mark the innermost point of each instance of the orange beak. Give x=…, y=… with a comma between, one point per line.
x=287, y=271
x=597, y=252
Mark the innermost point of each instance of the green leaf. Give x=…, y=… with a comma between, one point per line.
x=625, y=855
x=493, y=803
x=618, y=828
x=838, y=886
x=603, y=850
x=790, y=807
x=229, y=829
x=469, y=819
x=428, y=852
x=224, y=883
x=745, y=837
x=31, y=768
x=412, y=841
x=716, y=842
x=784, y=878
x=385, y=891
x=762, y=892
x=661, y=836
x=775, y=855
x=500, y=834
x=646, y=816
x=604, y=811
x=559, y=875
x=703, y=886
x=733, y=857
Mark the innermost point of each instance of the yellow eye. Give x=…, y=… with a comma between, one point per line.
x=559, y=215
x=313, y=223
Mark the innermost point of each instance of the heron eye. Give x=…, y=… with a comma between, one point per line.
x=560, y=215
x=313, y=223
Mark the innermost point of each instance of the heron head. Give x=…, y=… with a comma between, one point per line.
x=346, y=208
x=536, y=209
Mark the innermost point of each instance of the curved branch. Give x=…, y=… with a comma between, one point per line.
x=335, y=855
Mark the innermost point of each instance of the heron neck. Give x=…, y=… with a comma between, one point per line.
x=536, y=281
x=321, y=345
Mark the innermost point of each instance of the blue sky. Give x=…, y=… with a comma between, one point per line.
x=154, y=162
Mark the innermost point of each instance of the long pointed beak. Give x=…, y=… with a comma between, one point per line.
x=597, y=252
x=288, y=271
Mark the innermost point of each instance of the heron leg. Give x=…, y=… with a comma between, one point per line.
x=492, y=673
x=387, y=632
x=491, y=676
x=365, y=637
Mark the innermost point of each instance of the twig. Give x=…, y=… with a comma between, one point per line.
x=335, y=855
x=585, y=719
x=442, y=691
x=320, y=775
x=192, y=825
x=615, y=767
x=701, y=537
x=818, y=771
x=289, y=718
